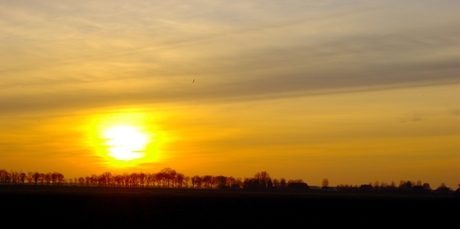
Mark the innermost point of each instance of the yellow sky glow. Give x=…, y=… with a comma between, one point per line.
x=353, y=92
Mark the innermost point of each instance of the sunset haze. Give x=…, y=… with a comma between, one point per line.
x=352, y=91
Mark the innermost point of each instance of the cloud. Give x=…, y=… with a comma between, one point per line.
x=94, y=54
x=412, y=118
x=455, y=112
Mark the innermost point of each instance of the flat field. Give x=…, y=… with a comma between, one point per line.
x=97, y=207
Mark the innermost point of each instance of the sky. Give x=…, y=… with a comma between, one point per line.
x=352, y=91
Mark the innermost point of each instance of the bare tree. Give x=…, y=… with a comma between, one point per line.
x=196, y=181
x=207, y=181
x=150, y=179
x=186, y=181
x=230, y=181
x=169, y=175
x=81, y=180
x=30, y=177
x=134, y=179
x=41, y=178
x=159, y=179
x=221, y=181
x=14, y=177
x=179, y=180
x=22, y=177
x=3, y=176
x=36, y=177
x=106, y=179
x=142, y=178
x=264, y=180
x=59, y=178
x=54, y=178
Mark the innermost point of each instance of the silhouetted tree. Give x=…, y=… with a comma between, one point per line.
x=36, y=177
x=142, y=179
x=230, y=181
x=283, y=183
x=159, y=177
x=14, y=177
x=196, y=181
x=295, y=181
x=169, y=175
x=393, y=185
x=376, y=185
x=442, y=188
x=186, y=181
x=48, y=178
x=221, y=182
x=207, y=181
x=179, y=180
x=269, y=184
x=153, y=179
x=60, y=178
x=126, y=180
x=41, y=178
x=247, y=184
x=3, y=176
x=106, y=178
x=262, y=181
x=426, y=186
x=22, y=177
x=325, y=182
x=405, y=185
x=29, y=177
x=237, y=183
x=53, y=178
x=276, y=183
x=133, y=180
x=148, y=179
x=81, y=181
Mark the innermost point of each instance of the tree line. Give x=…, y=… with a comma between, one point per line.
x=166, y=178
x=170, y=178
x=14, y=177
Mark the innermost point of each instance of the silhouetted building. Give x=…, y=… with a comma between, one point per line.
x=419, y=189
x=442, y=190
x=298, y=186
x=235, y=187
x=328, y=189
x=366, y=187
x=317, y=188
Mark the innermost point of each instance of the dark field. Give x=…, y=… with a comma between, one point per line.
x=97, y=207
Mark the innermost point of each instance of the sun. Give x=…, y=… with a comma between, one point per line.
x=121, y=139
x=125, y=142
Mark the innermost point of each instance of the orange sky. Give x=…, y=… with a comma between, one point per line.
x=354, y=92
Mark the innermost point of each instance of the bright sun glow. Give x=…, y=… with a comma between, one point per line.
x=123, y=138
x=125, y=142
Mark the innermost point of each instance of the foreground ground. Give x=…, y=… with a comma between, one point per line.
x=140, y=207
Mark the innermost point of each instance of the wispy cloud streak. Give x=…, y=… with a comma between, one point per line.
x=65, y=52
